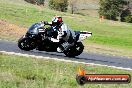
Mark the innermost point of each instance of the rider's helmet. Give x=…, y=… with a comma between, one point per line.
x=57, y=21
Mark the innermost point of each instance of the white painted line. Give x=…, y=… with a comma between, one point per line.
x=33, y=56
x=7, y=40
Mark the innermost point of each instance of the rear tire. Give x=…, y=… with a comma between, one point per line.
x=26, y=44
x=75, y=50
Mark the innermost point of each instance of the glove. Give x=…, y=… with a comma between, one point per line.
x=46, y=22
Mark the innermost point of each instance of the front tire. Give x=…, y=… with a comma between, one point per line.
x=26, y=44
x=75, y=50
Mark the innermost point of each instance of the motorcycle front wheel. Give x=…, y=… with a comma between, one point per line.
x=26, y=44
x=75, y=50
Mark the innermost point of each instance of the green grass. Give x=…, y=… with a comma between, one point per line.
x=109, y=33
x=23, y=72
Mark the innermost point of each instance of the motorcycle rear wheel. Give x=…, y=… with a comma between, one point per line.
x=76, y=50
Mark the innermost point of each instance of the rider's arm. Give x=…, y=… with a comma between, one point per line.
x=63, y=32
x=43, y=23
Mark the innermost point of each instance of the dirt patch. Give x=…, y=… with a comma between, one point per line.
x=109, y=50
x=10, y=31
x=4, y=76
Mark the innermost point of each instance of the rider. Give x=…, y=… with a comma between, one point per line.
x=64, y=34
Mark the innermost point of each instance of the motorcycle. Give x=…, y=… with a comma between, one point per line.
x=37, y=37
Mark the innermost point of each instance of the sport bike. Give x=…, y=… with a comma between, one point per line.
x=38, y=37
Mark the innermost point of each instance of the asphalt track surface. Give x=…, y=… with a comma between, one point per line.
x=84, y=57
